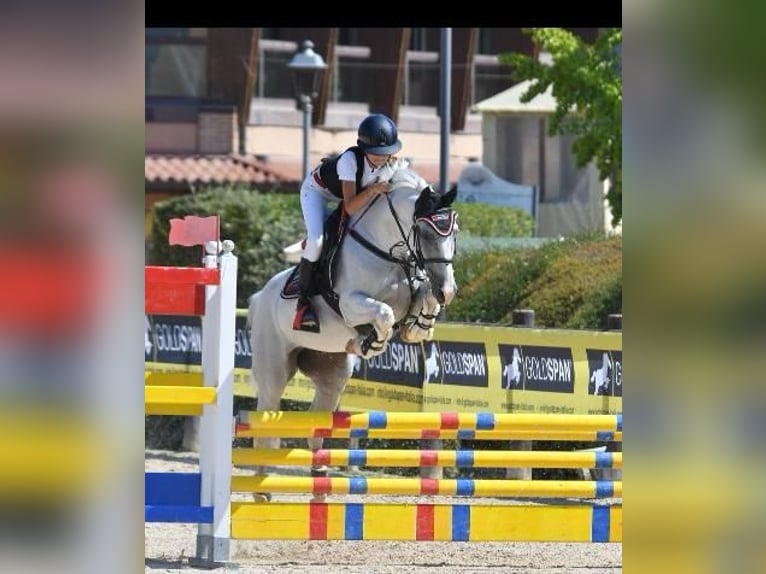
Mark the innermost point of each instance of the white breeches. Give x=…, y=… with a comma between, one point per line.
x=314, y=205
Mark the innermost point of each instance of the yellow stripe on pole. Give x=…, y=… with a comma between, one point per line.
x=414, y=486
x=179, y=395
x=424, y=421
x=173, y=379
x=414, y=458
x=306, y=432
x=177, y=410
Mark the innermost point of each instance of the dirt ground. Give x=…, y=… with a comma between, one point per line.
x=169, y=547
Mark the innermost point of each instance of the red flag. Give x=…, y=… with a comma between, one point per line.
x=193, y=230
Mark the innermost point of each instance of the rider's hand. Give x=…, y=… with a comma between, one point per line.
x=380, y=187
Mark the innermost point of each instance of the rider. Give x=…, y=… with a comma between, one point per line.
x=356, y=176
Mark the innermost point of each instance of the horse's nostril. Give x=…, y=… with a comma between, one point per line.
x=440, y=297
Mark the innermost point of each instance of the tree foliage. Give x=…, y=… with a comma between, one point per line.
x=586, y=80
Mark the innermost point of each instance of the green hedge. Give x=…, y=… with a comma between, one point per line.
x=573, y=283
x=482, y=220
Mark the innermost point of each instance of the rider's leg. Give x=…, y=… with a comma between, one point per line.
x=305, y=316
x=313, y=205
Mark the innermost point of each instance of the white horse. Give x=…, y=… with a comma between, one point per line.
x=432, y=365
x=512, y=371
x=600, y=377
x=394, y=271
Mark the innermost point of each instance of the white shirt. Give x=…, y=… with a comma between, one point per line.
x=347, y=170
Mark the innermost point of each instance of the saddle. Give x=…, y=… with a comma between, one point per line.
x=334, y=233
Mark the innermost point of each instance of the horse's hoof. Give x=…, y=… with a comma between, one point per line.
x=261, y=497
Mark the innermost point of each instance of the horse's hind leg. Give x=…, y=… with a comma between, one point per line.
x=270, y=377
x=329, y=372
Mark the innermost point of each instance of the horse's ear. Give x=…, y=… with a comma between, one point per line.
x=425, y=201
x=447, y=199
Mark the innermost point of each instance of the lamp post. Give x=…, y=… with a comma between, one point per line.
x=306, y=68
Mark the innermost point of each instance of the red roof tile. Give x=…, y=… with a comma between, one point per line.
x=209, y=169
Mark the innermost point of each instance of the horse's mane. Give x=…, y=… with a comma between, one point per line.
x=406, y=185
x=407, y=178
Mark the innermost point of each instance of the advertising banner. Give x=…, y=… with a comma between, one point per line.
x=465, y=367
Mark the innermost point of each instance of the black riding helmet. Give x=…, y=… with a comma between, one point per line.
x=377, y=134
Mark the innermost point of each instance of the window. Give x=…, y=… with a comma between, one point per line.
x=176, y=62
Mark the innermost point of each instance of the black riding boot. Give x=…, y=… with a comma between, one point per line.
x=305, y=317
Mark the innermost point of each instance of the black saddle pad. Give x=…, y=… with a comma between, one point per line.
x=290, y=288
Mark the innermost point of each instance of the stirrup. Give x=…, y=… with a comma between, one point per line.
x=306, y=318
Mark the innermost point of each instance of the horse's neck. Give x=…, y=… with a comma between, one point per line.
x=379, y=226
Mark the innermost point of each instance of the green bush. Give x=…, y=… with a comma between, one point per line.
x=483, y=220
x=573, y=283
x=261, y=225
x=580, y=287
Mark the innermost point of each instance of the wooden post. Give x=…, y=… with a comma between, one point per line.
x=521, y=318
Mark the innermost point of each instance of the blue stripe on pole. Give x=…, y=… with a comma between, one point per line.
x=604, y=460
x=466, y=434
x=182, y=514
x=359, y=433
x=378, y=420
x=619, y=422
x=354, y=526
x=461, y=522
x=605, y=435
x=485, y=421
x=600, y=524
x=464, y=458
x=357, y=457
x=172, y=488
x=604, y=489
x=465, y=487
x=357, y=485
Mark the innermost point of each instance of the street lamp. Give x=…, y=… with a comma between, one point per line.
x=306, y=68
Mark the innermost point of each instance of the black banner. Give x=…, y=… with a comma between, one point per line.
x=177, y=339
x=604, y=372
x=405, y=364
x=450, y=363
x=400, y=364
x=532, y=368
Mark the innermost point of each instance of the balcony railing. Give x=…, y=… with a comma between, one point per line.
x=351, y=81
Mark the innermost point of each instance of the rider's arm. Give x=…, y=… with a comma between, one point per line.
x=354, y=200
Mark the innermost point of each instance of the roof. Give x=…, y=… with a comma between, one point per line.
x=509, y=101
x=209, y=169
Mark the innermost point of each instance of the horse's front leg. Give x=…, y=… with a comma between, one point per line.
x=422, y=328
x=360, y=309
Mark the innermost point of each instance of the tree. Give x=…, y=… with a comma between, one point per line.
x=586, y=81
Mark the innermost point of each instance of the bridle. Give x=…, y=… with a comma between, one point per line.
x=413, y=262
